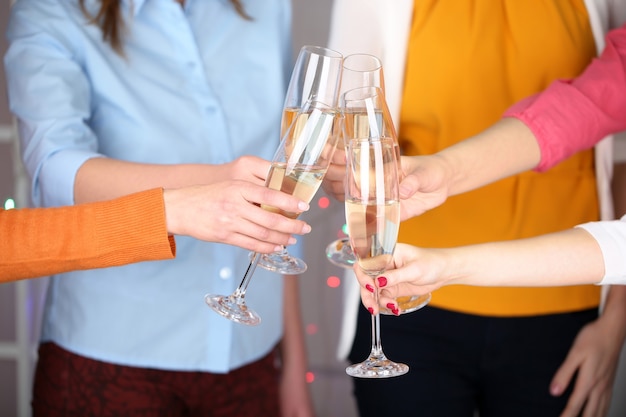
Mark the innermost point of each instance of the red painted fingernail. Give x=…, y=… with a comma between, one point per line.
x=391, y=306
x=369, y=288
x=370, y=309
x=395, y=311
x=382, y=281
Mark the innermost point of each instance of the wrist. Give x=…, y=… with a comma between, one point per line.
x=169, y=202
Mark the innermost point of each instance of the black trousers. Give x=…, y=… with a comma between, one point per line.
x=460, y=363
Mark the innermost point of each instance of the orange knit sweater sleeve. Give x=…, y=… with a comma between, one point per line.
x=36, y=242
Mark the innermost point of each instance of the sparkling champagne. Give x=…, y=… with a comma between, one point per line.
x=301, y=181
x=373, y=233
x=357, y=125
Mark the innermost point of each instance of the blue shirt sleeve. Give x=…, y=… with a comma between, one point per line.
x=50, y=95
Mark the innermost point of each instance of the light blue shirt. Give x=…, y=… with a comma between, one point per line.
x=196, y=85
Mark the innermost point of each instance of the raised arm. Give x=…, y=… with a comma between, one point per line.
x=536, y=133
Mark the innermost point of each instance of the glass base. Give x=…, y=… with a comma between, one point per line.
x=377, y=367
x=408, y=304
x=234, y=309
x=282, y=263
x=339, y=253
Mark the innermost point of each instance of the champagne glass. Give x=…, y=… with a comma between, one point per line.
x=358, y=123
x=359, y=70
x=372, y=205
x=316, y=77
x=298, y=168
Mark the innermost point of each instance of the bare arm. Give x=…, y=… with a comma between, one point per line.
x=569, y=257
x=506, y=148
x=105, y=178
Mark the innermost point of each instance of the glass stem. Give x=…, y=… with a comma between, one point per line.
x=284, y=255
x=240, y=292
x=377, y=348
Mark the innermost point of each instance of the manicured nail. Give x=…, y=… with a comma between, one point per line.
x=391, y=306
x=395, y=311
x=303, y=206
x=369, y=288
x=306, y=229
x=370, y=309
x=292, y=240
x=555, y=390
x=382, y=281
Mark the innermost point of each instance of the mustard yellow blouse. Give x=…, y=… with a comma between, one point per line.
x=467, y=62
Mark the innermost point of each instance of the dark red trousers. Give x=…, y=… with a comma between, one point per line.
x=69, y=385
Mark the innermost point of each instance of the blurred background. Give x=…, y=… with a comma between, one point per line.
x=321, y=285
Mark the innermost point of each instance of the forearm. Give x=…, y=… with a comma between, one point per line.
x=508, y=147
x=569, y=257
x=105, y=178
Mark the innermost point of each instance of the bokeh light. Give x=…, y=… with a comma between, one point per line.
x=9, y=204
x=333, y=281
x=310, y=377
x=323, y=202
x=311, y=328
x=343, y=232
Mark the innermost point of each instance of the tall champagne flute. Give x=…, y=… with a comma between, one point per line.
x=362, y=70
x=298, y=168
x=372, y=205
x=316, y=77
x=359, y=70
x=358, y=123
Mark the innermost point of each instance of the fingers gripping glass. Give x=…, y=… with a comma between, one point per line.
x=297, y=168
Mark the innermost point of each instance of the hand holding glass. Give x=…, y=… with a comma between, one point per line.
x=362, y=122
x=315, y=78
x=372, y=204
x=298, y=168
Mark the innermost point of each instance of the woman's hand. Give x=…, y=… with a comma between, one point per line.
x=229, y=212
x=424, y=184
x=415, y=271
x=247, y=168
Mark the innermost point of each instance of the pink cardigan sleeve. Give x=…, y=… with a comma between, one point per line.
x=573, y=115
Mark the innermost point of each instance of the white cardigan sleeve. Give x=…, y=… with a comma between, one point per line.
x=611, y=236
